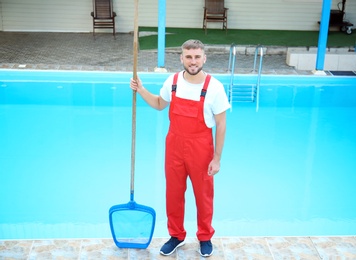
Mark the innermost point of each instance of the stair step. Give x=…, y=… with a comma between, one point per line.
x=243, y=92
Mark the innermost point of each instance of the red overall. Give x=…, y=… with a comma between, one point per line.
x=189, y=150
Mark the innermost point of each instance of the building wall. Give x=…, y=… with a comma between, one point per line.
x=350, y=12
x=74, y=16
x=46, y=15
x=1, y=27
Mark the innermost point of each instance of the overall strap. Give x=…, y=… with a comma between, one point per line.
x=174, y=85
x=205, y=87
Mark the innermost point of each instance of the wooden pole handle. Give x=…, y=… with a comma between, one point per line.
x=135, y=58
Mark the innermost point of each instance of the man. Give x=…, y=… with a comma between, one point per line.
x=198, y=102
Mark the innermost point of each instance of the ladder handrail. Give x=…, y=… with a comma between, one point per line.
x=232, y=58
x=231, y=68
x=259, y=47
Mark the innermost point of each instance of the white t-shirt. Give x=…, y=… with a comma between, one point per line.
x=215, y=102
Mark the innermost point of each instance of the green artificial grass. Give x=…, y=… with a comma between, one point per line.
x=176, y=36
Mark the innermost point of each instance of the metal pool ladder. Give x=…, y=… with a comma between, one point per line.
x=238, y=92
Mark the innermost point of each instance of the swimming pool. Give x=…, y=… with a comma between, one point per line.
x=65, y=143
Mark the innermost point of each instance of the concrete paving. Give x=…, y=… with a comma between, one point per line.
x=80, y=51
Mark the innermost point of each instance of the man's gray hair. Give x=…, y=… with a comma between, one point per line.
x=192, y=44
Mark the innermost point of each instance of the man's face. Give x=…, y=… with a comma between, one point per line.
x=193, y=60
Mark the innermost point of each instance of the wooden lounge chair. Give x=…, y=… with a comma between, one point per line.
x=215, y=12
x=103, y=15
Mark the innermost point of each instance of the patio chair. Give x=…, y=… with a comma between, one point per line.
x=215, y=12
x=103, y=15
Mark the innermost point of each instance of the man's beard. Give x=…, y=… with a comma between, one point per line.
x=193, y=73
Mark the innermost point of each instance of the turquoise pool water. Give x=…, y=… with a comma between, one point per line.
x=65, y=146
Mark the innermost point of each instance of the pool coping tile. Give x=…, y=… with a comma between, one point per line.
x=15, y=249
x=293, y=248
x=54, y=249
x=335, y=247
x=247, y=248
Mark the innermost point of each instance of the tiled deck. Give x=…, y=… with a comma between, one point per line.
x=224, y=248
x=69, y=51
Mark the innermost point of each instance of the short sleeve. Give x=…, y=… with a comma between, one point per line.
x=166, y=90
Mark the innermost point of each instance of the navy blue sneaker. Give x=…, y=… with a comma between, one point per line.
x=206, y=248
x=171, y=245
